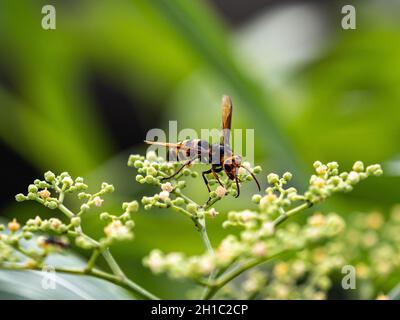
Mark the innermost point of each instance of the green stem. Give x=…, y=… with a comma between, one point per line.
x=92, y=260
x=113, y=264
x=66, y=211
x=204, y=237
x=213, y=288
x=291, y=212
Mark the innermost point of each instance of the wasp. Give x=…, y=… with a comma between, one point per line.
x=220, y=156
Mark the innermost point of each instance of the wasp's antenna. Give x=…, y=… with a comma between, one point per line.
x=254, y=177
x=237, y=186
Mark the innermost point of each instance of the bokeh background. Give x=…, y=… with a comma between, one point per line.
x=82, y=97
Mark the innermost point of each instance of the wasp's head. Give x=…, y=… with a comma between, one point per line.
x=231, y=166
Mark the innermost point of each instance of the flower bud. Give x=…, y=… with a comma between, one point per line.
x=76, y=221
x=108, y=188
x=273, y=178
x=220, y=191
x=13, y=226
x=104, y=216
x=164, y=195
x=55, y=223
x=32, y=188
x=84, y=207
x=20, y=197
x=256, y=198
x=178, y=201
x=317, y=164
x=259, y=249
x=151, y=171
x=353, y=177
x=321, y=170
x=212, y=213
x=358, y=166
x=67, y=181
x=131, y=207
x=150, y=179
x=257, y=169
x=49, y=176
x=192, y=208
x=287, y=176
x=98, y=201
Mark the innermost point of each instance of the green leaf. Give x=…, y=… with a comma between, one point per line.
x=29, y=284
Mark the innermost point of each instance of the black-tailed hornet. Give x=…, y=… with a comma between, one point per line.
x=220, y=156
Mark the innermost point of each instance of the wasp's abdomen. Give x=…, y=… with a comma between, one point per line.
x=192, y=149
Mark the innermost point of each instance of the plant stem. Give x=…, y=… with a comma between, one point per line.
x=92, y=260
x=66, y=211
x=113, y=264
x=291, y=212
x=204, y=236
x=213, y=288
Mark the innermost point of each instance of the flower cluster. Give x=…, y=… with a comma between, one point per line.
x=54, y=234
x=51, y=191
x=260, y=239
x=371, y=246
x=302, y=260
x=234, y=249
x=119, y=227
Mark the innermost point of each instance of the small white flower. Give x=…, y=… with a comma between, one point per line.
x=318, y=182
x=242, y=171
x=167, y=187
x=164, y=195
x=116, y=230
x=221, y=191
x=213, y=213
x=268, y=228
x=55, y=223
x=151, y=155
x=247, y=215
x=98, y=201
x=155, y=262
x=174, y=258
x=67, y=181
x=259, y=249
x=353, y=177
x=206, y=265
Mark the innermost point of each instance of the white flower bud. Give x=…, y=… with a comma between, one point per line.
x=164, y=195
x=220, y=191
x=98, y=201
x=259, y=249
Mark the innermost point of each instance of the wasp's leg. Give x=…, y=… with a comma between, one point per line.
x=214, y=172
x=205, y=178
x=179, y=170
x=237, y=186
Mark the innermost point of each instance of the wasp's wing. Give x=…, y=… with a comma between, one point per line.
x=226, y=120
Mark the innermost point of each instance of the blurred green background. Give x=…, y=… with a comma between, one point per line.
x=82, y=97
